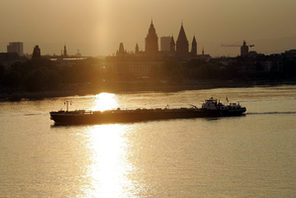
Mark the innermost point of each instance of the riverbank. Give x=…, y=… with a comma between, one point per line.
x=130, y=87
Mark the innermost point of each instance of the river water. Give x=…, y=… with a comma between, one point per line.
x=248, y=156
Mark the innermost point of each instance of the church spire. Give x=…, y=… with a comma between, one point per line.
x=121, y=50
x=194, y=47
x=182, y=42
x=151, y=40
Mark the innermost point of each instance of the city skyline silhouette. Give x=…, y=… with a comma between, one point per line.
x=96, y=27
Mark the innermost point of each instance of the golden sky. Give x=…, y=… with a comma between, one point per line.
x=97, y=26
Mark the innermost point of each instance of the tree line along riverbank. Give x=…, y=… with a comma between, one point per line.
x=42, y=78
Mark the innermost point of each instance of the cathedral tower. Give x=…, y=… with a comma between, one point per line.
x=194, y=47
x=151, y=41
x=182, y=43
x=120, y=51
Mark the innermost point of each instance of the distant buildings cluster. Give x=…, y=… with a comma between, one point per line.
x=162, y=53
x=168, y=46
x=156, y=53
x=17, y=48
x=15, y=54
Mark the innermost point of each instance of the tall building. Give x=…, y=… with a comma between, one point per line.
x=65, y=54
x=182, y=43
x=165, y=42
x=151, y=40
x=244, y=49
x=15, y=47
x=137, y=49
x=36, y=52
x=194, y=47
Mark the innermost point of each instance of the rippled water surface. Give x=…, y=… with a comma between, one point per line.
x=248, y=156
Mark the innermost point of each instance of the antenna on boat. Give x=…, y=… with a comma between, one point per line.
x=67, y=103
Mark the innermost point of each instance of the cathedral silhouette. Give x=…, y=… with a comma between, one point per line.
x=180, y=48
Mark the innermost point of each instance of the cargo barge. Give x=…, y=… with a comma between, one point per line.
x=210, y=108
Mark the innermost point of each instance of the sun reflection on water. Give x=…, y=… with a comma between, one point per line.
x=109, y=168
x=105, y=101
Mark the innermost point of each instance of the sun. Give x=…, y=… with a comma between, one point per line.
x=105, y=101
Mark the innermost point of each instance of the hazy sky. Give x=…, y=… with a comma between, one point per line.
x=97, y=26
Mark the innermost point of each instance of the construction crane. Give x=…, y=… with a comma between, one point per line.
x=244, y=48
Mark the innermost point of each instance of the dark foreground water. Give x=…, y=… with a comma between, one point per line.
x=249, y=156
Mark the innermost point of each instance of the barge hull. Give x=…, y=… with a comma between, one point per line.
x=69, y=118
